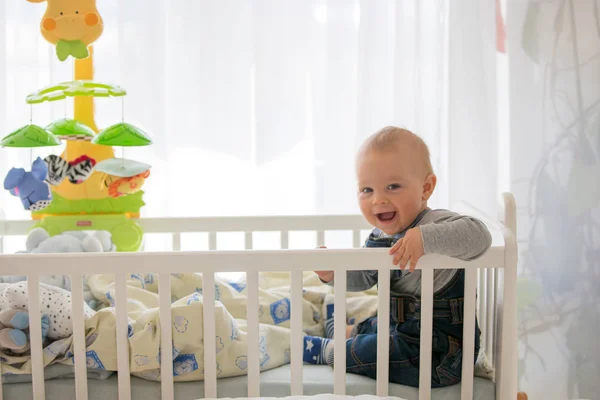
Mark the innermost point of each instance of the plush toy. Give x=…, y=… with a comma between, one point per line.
x=118, y=187
x=77, y=171
x=55, y=305
x=39, y=241
x=71, y=25
x=55, y=296
x=30, y=187
x=122, y=177
x=14, y=330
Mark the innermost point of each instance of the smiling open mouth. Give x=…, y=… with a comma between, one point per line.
x=386, y=216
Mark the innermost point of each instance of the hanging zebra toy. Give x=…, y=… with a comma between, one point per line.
x=77, y=171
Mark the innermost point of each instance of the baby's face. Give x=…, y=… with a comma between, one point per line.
x=391, y=188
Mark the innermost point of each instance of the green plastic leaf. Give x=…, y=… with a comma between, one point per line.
x=63, y=49
x=79, y=49
x=30, y=136
x=67, y=128
x=74, y=89
x=123, y=135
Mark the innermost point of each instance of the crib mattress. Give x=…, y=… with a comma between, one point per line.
x=318, y=379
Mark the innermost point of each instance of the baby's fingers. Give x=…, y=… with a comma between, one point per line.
x=398, y=255
x=413, y=263
x=396, y=246
x=404, y=260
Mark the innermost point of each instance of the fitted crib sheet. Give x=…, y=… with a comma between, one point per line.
x=318, y=379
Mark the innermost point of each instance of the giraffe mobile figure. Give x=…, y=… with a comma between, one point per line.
x=71, y=25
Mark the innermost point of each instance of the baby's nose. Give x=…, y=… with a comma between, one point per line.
x=379, y=199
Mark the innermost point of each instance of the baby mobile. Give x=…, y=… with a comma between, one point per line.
x=86, y=187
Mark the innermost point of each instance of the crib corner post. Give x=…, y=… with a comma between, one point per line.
x=506, y=383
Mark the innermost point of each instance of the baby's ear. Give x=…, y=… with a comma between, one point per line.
x=14, y=178
x=39, y=169
x=429, y=186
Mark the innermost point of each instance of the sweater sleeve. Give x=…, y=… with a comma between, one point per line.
x=358, y=281
x=454, y=235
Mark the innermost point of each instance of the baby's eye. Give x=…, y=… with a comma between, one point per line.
x=393, y=186
x=366, y=190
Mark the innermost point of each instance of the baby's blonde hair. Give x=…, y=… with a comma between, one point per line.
x=386, y=138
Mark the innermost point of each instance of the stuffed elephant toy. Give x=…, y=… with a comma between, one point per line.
x=30, y=187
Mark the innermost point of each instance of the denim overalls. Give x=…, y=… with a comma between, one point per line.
x=405, y=323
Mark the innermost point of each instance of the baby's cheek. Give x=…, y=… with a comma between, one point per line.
x=49, y=24
x=91, y=19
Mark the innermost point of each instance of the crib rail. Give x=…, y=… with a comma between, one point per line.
x=251, y=262
x=227, y=224
x=501, y=255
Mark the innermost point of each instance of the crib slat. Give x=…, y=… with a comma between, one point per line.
x=339, y=335
x=253, y=335
x=35, y=330
x=210, y=354
x=210, y=342
x=79, y=347
x=468, y=349
x=122, y=338
x=383, y=332
x=490, y=313
x=176, y=238
x=320, y=238
x=253, y=326
x=482, y=299
x=285, y=239
x=481, y=296
x=212, y=240
x=426, y=333
x=248, y=240
x=356, y=239
x=296, y=346
x=166, y=336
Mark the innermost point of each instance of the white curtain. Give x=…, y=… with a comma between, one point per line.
x=554, y=69
x=255, y=107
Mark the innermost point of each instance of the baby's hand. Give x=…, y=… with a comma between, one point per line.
x=326, y=276
x=408, y=249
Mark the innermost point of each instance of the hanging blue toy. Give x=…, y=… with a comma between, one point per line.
x=30, y=187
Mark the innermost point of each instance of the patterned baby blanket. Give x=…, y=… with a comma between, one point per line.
x=187, y=320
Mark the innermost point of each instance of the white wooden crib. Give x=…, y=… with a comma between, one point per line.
x=493, y=276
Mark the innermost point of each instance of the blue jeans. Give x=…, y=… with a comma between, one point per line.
x=446, y=366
